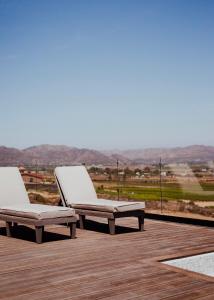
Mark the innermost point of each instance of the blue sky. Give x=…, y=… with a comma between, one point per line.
x=106, y=74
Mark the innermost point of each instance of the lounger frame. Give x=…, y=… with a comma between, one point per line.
x=111, y=216
x=39, y=224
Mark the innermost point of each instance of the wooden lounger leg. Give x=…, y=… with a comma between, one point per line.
x=111, y=224
x=72, y=230
x=39, y=233
x=141, y=222
x=82, y=220
x=8, y=228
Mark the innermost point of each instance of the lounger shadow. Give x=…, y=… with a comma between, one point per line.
x=93, y=225
x=28, y=234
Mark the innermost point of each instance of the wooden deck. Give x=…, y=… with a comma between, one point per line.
x=99, y=266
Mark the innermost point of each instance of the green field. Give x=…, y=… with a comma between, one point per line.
x=152, y=192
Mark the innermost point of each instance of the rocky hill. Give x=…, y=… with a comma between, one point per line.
x=195, y=153
x=52, y=155
x=64, y=155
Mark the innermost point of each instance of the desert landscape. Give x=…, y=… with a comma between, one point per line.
x=189, y=193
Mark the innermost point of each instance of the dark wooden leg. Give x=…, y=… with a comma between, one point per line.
x=141, y=222
x=72, y=230
x=39, y=231
x=82, y=220
x=15, y=224
x=8, y=228
x=111, y=224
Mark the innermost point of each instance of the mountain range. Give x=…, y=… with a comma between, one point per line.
x=64, y=155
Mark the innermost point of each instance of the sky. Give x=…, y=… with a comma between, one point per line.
x=113, y=74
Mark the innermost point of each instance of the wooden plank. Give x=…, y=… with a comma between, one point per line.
x=100, y=266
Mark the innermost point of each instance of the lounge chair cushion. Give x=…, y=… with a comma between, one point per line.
x=109, y=205
x=37, y=211
x=12, y=189
x=75, y=184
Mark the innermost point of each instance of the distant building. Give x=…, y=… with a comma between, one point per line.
x=32, y=178
x=164, y=174
x=22, y=170
x=99, y=177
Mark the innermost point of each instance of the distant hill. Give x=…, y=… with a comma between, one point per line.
x=195, y=153
x=52, y=155
x=64, y=155
x=10, y=156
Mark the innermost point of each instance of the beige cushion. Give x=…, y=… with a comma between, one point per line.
x=109, y=205
x=37, y=211
x=75, y=184
x=12, y=189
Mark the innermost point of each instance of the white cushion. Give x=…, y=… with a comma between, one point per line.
x=37, y=211
x=12, y=189
x=75, y=184
x=77, y=190
x=110, y=205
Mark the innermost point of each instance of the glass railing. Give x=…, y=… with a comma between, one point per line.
x=175, y=189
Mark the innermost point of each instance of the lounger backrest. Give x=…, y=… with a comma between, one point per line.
x=12, y=189
x=75, y=185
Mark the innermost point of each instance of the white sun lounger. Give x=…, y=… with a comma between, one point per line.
x=15, y=206
x=77, y=191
